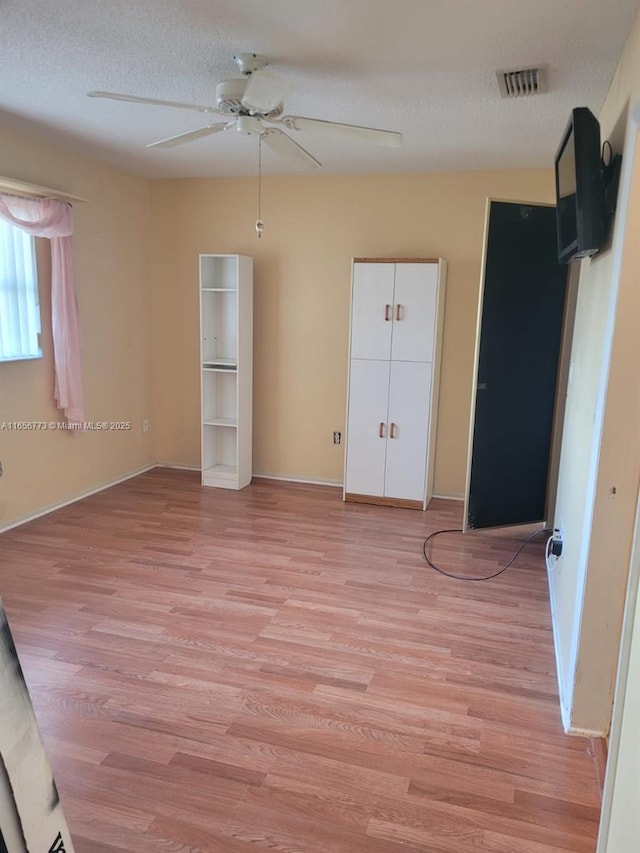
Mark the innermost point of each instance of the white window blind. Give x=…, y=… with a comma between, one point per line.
x=19, y=305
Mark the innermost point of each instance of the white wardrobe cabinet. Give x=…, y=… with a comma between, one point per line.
x=397, y=312
x=226, y=369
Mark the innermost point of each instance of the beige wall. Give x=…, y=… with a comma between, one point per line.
x=314, y=225
x=111, y=248
x=600, y=460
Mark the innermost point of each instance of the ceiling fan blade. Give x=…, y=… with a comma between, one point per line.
x=264, y=92
x=347, y=131
x=118, y=96
x=189, y=136
x=296, y=156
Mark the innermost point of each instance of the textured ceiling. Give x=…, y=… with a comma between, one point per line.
x=423, y=67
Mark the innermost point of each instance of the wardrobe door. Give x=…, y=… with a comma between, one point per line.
x=372, y=310
x=409, y=407
x=367, y=434
x=414, y=312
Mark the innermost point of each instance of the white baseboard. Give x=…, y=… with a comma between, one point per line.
x=337, y=483
x=257, y=476
x=565, y=709
x=575, y=731
x=85, y=494
x=177, y=466
x=303, y=480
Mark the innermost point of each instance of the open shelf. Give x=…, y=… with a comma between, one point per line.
x=220, y=471
x=219, y=446
x=223, y=422
x=220, y=327
x=218, y=272
x=219, y=397
x=228, y=364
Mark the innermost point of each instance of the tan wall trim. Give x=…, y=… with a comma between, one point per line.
x=396, y=260
x=22, y=188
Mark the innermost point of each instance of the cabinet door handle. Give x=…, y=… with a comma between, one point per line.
x=381, y=430
x=387, y=312
x=398, y=307
x=392, y=430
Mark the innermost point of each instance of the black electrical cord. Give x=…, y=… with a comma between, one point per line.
x=535, y=533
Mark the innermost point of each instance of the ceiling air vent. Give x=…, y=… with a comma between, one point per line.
x=522, y=82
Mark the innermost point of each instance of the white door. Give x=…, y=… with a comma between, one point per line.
x=372, y=310
x=414, y=312
x=367, y=427
x=409, y=406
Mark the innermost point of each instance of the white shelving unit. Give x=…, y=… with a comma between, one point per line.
x=226, y=369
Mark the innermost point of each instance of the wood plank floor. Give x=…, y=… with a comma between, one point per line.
x=274, y=670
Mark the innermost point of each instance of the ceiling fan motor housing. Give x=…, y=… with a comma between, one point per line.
x=229, y=96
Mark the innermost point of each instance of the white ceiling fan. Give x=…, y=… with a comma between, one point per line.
x=252, y=104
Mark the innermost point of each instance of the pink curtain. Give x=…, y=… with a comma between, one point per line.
x=53, y=219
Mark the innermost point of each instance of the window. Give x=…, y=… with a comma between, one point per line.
x=19, y=305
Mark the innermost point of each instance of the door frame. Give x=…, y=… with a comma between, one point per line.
x=476, y=360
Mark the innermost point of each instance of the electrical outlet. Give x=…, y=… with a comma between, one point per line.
x=337, y=437
x=145, y=425
x=557, y=542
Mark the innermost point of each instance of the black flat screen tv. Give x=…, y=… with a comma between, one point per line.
x=580, y=197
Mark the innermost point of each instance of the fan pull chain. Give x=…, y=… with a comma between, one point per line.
x=259, y=223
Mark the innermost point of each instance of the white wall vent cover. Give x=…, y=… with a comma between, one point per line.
x=522, y=82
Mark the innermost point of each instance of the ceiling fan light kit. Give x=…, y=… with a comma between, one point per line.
x=231, y=100
x=249, y=125
x=264, y=94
